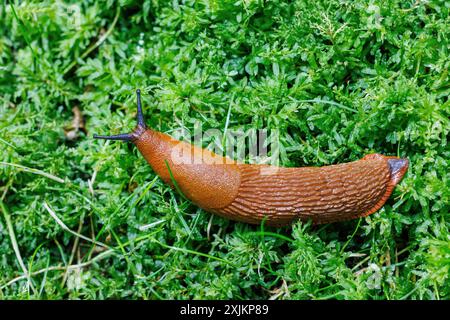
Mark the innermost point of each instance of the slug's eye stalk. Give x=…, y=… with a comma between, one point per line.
x=140, y=128
x=140, y=114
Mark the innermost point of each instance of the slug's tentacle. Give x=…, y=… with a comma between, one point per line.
x=253, y=193
x=140, y=114
x=121, y=137
x=137, y=132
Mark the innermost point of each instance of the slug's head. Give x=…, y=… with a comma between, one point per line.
x=137, y=132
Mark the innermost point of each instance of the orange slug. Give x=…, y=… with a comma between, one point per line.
x=253, y=192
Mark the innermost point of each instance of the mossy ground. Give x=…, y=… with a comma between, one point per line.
x=377, y=70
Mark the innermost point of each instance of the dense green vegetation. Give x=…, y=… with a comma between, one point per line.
x=376, y=70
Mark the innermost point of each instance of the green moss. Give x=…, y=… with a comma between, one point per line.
x=338, y=79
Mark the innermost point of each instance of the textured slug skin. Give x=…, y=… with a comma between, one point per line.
x=251, y=193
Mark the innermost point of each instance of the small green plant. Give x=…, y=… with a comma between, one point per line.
x=338, y=79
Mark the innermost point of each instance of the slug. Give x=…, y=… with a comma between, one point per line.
x=252, y=193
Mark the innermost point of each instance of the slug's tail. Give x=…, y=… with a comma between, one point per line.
x=141, y=127
x=397, y=169
x=397, y=166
